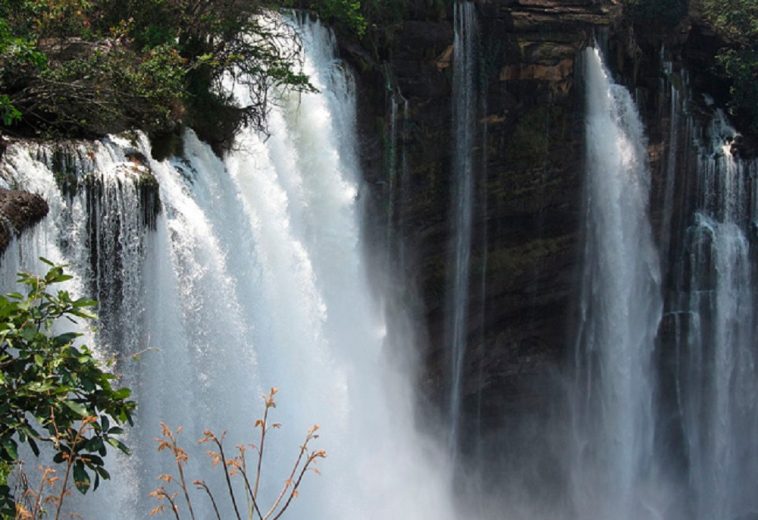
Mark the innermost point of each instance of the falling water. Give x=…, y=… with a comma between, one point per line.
x=672, y=160
x=718, y=378
x=464, y=127
x=394, y=170
x=251, y=275
x=620, y=310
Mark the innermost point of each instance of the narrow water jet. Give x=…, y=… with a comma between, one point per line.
x=464, y=133
x=620, y=309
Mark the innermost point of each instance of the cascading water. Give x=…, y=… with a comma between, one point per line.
x=252, y=277
x=620, y=310
x=220, y=278
x=714, y=304
x=464, y=128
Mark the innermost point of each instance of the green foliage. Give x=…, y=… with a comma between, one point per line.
x=52, y=391
x=356, y=16
x=382, y=12
x=346, y=12
x=737, y=22
x=90, y=67
x=9, y=113
x=110, y=88
x=741, y=67
x=56, y=18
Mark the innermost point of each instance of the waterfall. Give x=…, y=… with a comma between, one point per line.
x=253, y=274
x=715, y=295
x=620, y=310
x=464, y=130
x=396, y=166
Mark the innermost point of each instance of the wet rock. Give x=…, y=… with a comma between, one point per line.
x=19, y=210
x=529, y=183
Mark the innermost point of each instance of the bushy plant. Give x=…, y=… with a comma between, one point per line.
x=53, y=391
x=89, y=67
x=737, y=22
x=348, y=13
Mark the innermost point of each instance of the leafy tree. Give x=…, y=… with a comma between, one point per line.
x=52, y=391
x=737, y=22
x=345, y=12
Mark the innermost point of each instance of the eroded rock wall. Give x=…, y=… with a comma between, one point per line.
x=529, y=179
x=528, y=190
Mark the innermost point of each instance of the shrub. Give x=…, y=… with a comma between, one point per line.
x=737, y=23
x=89, y=67
x=53, y=391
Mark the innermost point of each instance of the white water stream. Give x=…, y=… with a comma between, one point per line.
x=718, y=374
x=464, y=128
x=253, y=277
x=621, y=307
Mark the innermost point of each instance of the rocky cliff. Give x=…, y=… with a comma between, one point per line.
x=529, y=176
x=529, y=179
x=528, y=190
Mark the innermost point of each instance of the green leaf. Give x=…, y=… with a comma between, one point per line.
x=81, y=478
x=65, y=339
x=118, y=444
x=77, y=408
x=33, y=445
x=94, y=461
x=122, y=393
x=101, y=471
x=11, y=449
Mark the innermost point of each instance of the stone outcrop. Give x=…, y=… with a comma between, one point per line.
x=19, y=210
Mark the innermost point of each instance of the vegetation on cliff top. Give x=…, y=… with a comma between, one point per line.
x=87, y=67
x=737, y=22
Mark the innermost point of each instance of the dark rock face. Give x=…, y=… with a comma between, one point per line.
x=19, y=210
x=528, y=191
x=529, y=181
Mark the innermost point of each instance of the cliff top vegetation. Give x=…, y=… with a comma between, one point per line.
x=88, y=67
x=735, y=23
